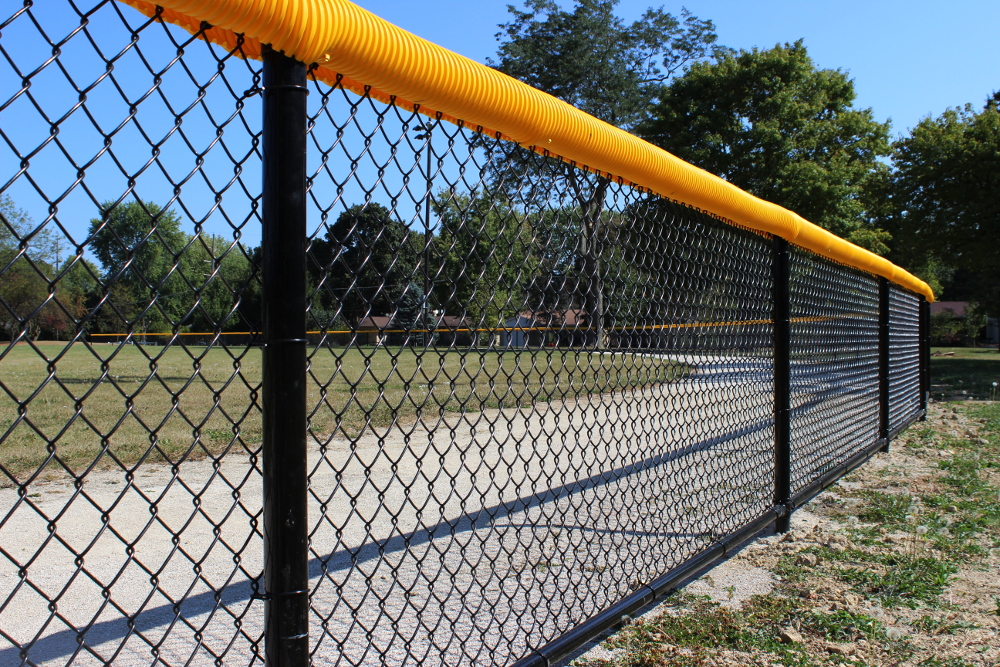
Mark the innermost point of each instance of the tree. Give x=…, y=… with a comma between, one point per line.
x=484, y=246
x=774, y=125
x=17, y=228
x=140, y=249
x=221, y=275
x=592, y=59
x=35, y=297
x=365, y=263
x=945, y=210
x=411, y=315
x=944, y=193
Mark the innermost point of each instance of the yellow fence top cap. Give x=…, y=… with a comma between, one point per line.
x=367, y=54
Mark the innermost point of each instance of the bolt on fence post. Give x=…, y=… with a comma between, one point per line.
x=286, y=545
x=782, y=331
x=925, y=354
x=883, y=362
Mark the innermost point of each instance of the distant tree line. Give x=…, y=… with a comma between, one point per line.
x=150, y=276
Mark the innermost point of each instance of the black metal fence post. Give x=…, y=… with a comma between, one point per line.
x=883, y=362
x=286, y=573
x=782, y=383
x=925, y=355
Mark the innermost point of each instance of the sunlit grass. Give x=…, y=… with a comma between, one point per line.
x=103, y=403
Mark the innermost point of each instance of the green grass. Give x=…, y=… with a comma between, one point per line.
x=967, y=369
x=706, y=627
x=941, y=531
x=135, y=403
x=902, y=580
x=844, y=626
x=934, y=661
x=888, y=509
x=938, y=626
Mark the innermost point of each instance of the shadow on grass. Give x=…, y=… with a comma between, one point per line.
x=974, y=371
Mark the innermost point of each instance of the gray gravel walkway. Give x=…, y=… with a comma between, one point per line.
x=454, y=541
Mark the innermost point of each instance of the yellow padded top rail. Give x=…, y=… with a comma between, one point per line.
x=366, y=51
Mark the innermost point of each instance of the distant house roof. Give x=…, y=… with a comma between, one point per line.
x=383, y=322
x=374, y=322
x=957, y=307
x=453, y=322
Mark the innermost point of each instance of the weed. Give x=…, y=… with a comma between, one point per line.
x=788, y=570
x=963, y=476
x=888, y=509
x=935, y=661
x=902, y=581
x=843, y=625
x=938, y=626
x=705, y=624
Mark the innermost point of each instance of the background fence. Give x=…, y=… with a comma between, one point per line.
x=530, y=398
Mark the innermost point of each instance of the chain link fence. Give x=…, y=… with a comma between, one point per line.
x=377, y=388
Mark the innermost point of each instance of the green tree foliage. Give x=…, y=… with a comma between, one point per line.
x=221, y=277
x=773, y=124
x=140, y=247
x=592, y=59
x=160, y=278
x=948, y=329
x=18, y=229
x=37, y=296
x=484, y=246
x=589, y=57
x=975, y=321
x=945, y=207
x=411, y=314
x=556, y=281
x=364, y=263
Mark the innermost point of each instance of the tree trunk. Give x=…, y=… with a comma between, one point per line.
x=590, y=250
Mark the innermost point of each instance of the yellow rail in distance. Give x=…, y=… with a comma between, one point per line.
x=649, y=327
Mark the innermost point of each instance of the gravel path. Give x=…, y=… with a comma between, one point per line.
x=454, y=541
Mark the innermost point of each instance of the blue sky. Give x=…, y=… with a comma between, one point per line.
x=908, y=58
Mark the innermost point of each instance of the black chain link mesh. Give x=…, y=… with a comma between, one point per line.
x=904, y=357
x=128, y=463
x=834, y=364
x=532, y=390
x=486, y=485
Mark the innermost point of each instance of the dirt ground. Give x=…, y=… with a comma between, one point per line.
x=897, y=564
